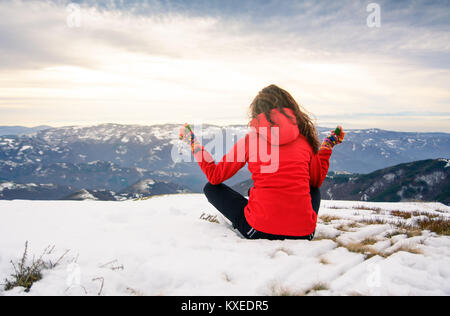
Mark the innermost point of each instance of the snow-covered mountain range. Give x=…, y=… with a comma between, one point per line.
x=114, y=157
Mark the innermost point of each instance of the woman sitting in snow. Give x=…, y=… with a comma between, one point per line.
x=284, y=202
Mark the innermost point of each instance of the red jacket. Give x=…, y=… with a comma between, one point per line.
x=279, y=202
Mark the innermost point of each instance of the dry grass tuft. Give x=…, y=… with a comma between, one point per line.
x=412, y=232
x=27, y=273
x=439, y=225
x=348, y=227
x=373, y=221
x=329, y=218
x=210, y=218
x=324, y=261
x=320, y=286
x=376, y=210
x=334, y=207
x=401, y=214
x=360, y=248
x=324, y=237
x=394, y=233
x=369, y=241
x=410, y=249
x=134, y=292
x=277, y=289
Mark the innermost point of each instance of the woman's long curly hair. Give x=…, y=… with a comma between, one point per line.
x=273, y=97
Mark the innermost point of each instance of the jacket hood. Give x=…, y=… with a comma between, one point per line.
x=285, y=130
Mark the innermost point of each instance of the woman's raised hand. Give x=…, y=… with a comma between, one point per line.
x=185, y=130
x=188, y=136
x=336, y=137
x=340, y=134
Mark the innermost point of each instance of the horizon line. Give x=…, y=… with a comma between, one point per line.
x=45, y=126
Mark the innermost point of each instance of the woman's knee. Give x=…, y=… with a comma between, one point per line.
x=209, y=189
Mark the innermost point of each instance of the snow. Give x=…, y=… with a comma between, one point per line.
x=392, y=143
x=433, y=178
x=85, y=195
x=389, y=177
x=144, y=185
x=447, y=161
x=25, y=148
x=6, y=185
x=12, y=186
x=161, y=246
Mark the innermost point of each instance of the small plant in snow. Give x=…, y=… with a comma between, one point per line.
x=210, y=218
x=113, y=266
x=27, y=273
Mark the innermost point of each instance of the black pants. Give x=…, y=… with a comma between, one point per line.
x=232, y=204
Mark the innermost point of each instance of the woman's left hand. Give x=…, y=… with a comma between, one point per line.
x=336, y=137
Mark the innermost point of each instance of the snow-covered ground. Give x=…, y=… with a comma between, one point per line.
x=162, y=247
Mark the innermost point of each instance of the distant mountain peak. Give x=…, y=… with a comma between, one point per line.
x=21, y=130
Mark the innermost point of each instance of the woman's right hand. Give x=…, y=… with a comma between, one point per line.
x=188, y=136
x=336, y=137
x=185, y=133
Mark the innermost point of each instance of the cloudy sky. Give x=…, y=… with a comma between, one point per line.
x=203, y=61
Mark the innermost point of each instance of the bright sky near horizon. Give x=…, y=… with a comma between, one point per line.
x=203, y=61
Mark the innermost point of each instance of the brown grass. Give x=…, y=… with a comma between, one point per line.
x=440, y=225
x=322, y=237
x=320, y=286
x=394, y=233
x=337, y=208
x=373, y=221
x=412, y=232
x=404, y=215
x=376, y=210
x=369, y=241
x=324, y=261
x=360, y=248
x=347, y=227
x=277, y=289
x=365, y=249
x=417, y=213
x=410, y=249
x=329, y=218
x=408, y=215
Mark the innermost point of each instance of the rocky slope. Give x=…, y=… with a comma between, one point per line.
x=427, y=180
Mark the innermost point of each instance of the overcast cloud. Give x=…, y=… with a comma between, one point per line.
x=148, y=62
